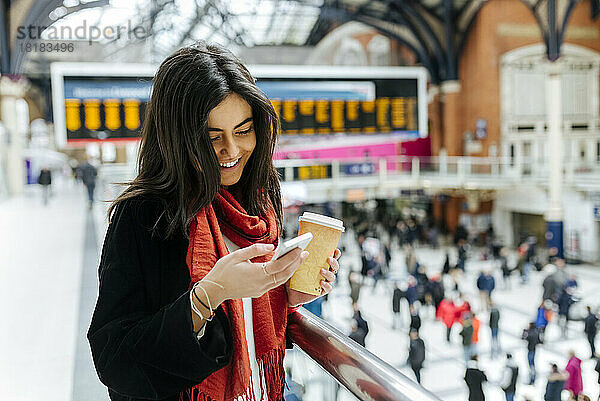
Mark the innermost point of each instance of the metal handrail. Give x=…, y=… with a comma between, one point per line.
x=362, y=373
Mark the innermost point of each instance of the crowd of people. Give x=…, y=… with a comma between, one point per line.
x=439, y=295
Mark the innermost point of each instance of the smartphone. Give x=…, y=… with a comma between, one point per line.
x=284, y=247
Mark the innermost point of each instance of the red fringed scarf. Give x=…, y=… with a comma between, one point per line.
x=206, y=246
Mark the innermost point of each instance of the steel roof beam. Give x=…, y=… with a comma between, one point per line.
x=419, y=23
x=4, y=41
x=552, y=45
x=449, y=29
x=463, y=8
x=553, y=30
x=422, y=55
x=537, y=5
x=565, y=22
x=431, y=10
x=397, y=17
x=362, y=14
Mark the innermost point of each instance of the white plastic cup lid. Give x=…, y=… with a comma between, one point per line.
x=322, y=220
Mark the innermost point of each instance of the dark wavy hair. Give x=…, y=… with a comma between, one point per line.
x=177, y=163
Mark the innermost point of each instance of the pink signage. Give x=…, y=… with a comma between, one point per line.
x=373, y=151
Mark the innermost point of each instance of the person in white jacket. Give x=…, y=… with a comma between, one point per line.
x=510, y=374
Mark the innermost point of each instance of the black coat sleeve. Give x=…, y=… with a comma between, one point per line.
x=141, y=338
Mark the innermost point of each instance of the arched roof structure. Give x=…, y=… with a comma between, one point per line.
x=435, y=30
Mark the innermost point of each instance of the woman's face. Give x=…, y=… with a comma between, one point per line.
x=232, y=134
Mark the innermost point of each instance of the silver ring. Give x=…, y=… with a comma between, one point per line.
x=264, y=269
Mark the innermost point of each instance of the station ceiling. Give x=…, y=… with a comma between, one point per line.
x=435, y=30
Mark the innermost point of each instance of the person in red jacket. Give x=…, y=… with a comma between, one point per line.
x=476, y=324
x=461, y=308
x=446, y=312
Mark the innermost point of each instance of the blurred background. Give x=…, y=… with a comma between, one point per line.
x=459, y=140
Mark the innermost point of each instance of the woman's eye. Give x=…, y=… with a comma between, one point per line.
x=214, y=138
x=245, y=131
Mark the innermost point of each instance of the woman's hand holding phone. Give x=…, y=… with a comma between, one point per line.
x=242, y=278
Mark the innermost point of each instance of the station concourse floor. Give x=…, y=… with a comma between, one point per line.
x=48, y=287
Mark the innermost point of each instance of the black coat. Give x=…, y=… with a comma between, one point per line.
x=532, y=336
x=415, y=322
x=366, y=265
x=474, y=379
x=467, y=335
x=416, y=353
x=446, y=267
x=361, y=322
x=554, y=387
x=88, y=174
x=504, y=267
x=141, y=334
x=437, y=292
x=565, y=300
x=590, y=325
x=45, y=177
x=494, y=317
x=358, y=335
x=511, y=388
x=396, y=298
x=549, y=286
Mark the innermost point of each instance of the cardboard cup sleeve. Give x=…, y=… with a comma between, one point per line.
x=308, y=277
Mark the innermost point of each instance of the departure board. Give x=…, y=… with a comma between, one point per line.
x=104, y=108
x=317, y=107
x=107, y=102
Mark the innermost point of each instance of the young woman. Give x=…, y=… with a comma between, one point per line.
x=190, y=306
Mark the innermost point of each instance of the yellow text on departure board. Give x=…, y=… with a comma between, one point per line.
x=398, y=112
x=132, y=113
x=383, y=121
x=312, y=172
x=352, y=110
x=289, y=110
x=112, y=117
x=92, y=114
x=411, y=123
x=307, y=111
x=72, y=116
x=337, y=115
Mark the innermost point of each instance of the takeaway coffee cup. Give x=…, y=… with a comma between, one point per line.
x=326, y=235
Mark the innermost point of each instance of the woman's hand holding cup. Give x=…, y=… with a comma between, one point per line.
x=297, y=298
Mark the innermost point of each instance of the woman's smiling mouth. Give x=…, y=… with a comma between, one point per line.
x=230, y=164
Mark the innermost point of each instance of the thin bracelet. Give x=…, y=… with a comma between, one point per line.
x=195, y=308
x=206, y=295
x=212, y=312
x=199, y=300
x=209, y=307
